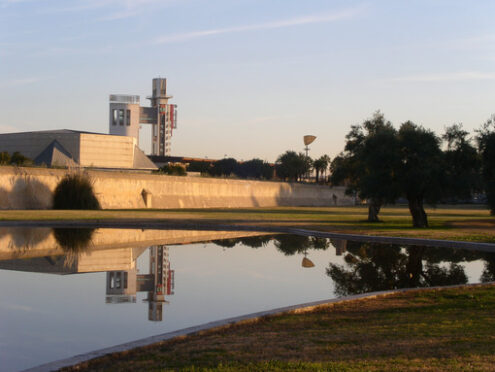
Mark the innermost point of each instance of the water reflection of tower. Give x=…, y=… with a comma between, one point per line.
x=122, y=286
x=163, y=281
x=340, y=246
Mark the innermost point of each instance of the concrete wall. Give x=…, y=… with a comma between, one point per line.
x=31, y=188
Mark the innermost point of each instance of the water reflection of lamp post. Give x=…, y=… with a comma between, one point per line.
x=306, y=262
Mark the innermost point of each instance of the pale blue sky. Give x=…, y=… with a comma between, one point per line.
x=250, y=77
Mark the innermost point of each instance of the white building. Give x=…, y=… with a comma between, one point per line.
x=126, y=116
x=70, y=147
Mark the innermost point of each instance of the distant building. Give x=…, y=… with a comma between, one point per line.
x=126, y=115
x=70, y=147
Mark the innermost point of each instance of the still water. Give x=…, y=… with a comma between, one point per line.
x=70, y=291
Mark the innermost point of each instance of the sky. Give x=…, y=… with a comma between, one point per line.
x=250, y=77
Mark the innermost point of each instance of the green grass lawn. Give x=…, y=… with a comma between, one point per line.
x=466, y=223
x=426, y=330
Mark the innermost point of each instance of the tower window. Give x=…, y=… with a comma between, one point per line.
x=121, y=117
x=115, y=117
x=128, y=118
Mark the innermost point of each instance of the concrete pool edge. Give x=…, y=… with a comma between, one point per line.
x=218, y=324
x=152, y=224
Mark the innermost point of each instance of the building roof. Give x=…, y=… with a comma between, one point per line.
x=54, y=154
x=59, y=131
x=141, y=161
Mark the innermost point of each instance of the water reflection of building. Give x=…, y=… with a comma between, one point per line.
x=340, y=246
x=122, y=286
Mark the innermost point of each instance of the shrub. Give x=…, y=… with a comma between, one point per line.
x=173, y=170
x=4, y=158
x=19, y=159
x=75, y=191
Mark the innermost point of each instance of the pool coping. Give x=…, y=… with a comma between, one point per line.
x=154, y=224
x=223, y=323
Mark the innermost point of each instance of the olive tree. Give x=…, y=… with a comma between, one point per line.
x=486, y=145
x=368, y=166
x=421, y=172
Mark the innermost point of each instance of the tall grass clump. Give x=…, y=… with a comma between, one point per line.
x=75, y=191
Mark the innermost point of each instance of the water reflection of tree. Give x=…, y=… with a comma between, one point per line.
x=256, y=241
x=285, y=243
x=488, y=274
x=374, y=267
x=292, y=244
x=73, y=242
x=226, y=243
x=250, y=241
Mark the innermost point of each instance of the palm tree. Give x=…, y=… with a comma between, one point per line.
x=321, y=166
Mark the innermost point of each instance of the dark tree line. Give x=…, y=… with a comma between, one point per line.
x=293, y=166
x=15, y=159
x=251, y=169
x=381, y=164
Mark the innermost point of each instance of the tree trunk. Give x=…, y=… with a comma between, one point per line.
x=414, y=265
x=374, y=207
x=417, y=212
x=317, y=175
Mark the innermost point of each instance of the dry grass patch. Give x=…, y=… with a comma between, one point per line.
x=450, y=329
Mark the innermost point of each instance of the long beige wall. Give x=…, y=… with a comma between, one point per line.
x=31, y=188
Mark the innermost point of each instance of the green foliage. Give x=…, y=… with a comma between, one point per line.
x=368, y=166
x=15, y=159
x=486, y=145
x=421, y=172
x=224, y=167
x=321, y=165
x=19, y=159
x=4, y=158
x=202, y=167
x=292, y=166
x=173, y=170
x=254, y=169
x=462, y=165
x=75, y=191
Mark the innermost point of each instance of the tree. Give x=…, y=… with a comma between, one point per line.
x=292, y=166
x=19, y=159
x=320, y=165
x=486, y=145
x=173, y=170
x=4, y=158
x=254, y=168
x=327, y=160
x=421, y=171
x=462, y=164
x=199, y=166
x=224, y=167
x=368, y=166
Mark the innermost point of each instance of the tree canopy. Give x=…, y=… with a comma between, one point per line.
x=368, y=166
x=293, y=166
x=421, y=172
x=486, y=145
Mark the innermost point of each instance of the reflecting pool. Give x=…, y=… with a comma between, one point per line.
x=70, y=291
